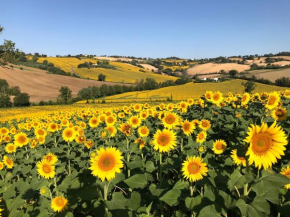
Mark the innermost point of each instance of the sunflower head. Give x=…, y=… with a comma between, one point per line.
x=273, y=100
x=286, y=172
x=280, y=114
x=201, y=137
x=219, y=146
x=51, y=158
x=69, y=134
x=267, y=144
x=187, y=127
x=143, y=131
x=58, y=204
x=45, y=169
x=106, y=163
x=170, y=120
x=164, y=140
x=21, y=139
x=194, y=169
x=8, y=162
x=238, y=160
x=205, y=124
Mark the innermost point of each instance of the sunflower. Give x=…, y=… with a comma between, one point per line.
x=208, y=95
x=219, y=146
x=194, y=169
x=266, y=144
x=10, y=148
x=164, y=140
x=58, y=204
x=187, y=127
x=51, y=158
x=143, y=131
x=7, y=138
x=217, y=98
x=205, y=124
x=21, y=139
x=137, y=107
x=183, y=107
x=89, y=144
x=1, y=165
x=287, y=93
x=40, y=132
x=8, y=162
x=170, y=120
x=44, y=191
x=94, y=122
x=80, y=139
x=52, y=127
x=273, y=100
x=106, y=163
x=45, y=169
x=245, y=99
x=201, y=137
x=135, y=121
x=112, y=130
x=4, y=131
x=110, y=120
x=286, y=172
x=68, y=135
x=144, y=115
x=126, y=129
x=237, y=159
x=121, y=115
x=140, y=142
x=279, y=114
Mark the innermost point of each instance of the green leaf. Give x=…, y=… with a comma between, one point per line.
x=118, y=201
x=136, y=181
x=257, y=208
x=135, y=200
x=209, y=211
x=236, y=179
x=136, y=162
x=191, y=202
x=150, y=166
x=171, y=197
x=181, y=185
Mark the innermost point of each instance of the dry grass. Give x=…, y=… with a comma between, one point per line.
x=42, y=86
x=215, y=67
x=271, y=74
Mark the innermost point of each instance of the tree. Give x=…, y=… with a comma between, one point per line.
x=96, y=92
x=5, y=101
x=7, y=52
x=85, y=93
x=21, y=100
x=65, y=94
x=283, y=82
x=1, y=29
x=233, y=73
x=101, y=77
x=249, y=86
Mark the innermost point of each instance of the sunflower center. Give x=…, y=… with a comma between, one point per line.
x=110, y=120
x=204, y=124
x=11, y=148
x=46, y=168
x=279, y=113
x=193, y=168
x=272, y=100
x=106, y=163
x=244, y=98
x=219, y=146
x=22, y=139
x=41, y=132
x=216, y=97
x=68, y=133
x=200, y=136
x=59, y=202
x=9, y=162
x=261, y=143
x=170, y=119
x=163, y=140
x=143, y=131
x=186, y=126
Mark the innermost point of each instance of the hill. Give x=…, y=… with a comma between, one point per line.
x=189, y=90
x=42, y=86
x=216, y=67
x=122, y=72
x=271, y=74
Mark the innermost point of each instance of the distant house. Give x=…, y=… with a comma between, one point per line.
x=216, y=79
x=204, y=79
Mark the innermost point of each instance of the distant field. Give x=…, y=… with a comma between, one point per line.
x=190, y=90
x=271, y=74
x=124, y=73
x=43, y=86
x=216, y=67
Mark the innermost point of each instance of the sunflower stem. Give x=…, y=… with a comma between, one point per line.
x=55, y=185
x=106, y=198
x=160, y=166
x=181, y=145
x=245, y=192
x=128, y=157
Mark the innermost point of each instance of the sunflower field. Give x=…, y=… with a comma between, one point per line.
x=220, y=155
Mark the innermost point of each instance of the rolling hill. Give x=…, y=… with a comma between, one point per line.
x=216, y=67
x=189, y=90
x=123, y=72
x=42, y=86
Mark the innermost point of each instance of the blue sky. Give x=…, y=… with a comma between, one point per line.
x=148, y=28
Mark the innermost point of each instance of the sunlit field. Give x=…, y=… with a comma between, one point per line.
x=124, y=72
x=219, y=154
x=186, y=91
